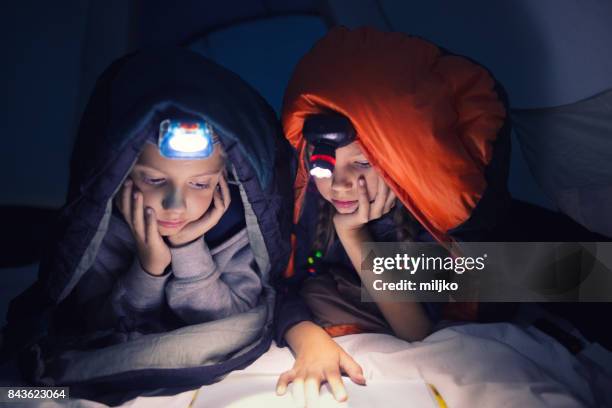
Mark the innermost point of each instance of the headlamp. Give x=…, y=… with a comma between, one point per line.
x=326, y=132
x=180, y=139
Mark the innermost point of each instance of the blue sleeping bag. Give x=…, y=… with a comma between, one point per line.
x=53, y=349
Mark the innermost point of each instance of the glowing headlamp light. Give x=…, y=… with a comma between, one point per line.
x=185, y=139
x=326, y=132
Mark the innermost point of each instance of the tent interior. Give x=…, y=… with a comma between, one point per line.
x=553, y=57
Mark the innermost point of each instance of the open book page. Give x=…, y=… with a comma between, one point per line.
x=248, y=391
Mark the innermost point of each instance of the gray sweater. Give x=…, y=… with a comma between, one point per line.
x=201, y=284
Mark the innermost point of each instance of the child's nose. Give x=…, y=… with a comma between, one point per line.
x=341, y=180
x=174, y=200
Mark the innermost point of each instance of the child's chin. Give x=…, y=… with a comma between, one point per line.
x=168, y=232
x=346, y=210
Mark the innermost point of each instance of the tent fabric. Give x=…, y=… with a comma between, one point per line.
x=112, y=132
x=425, y=119
x=162, y=23
x=546, y=52
x=569, y=150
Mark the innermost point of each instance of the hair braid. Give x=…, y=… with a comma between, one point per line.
x=324, y=232
x=406, y=226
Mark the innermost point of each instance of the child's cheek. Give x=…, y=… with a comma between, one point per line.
x=198, y=204
x=324, y=187
x=152, y=199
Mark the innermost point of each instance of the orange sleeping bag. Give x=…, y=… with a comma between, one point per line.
x=424, y=119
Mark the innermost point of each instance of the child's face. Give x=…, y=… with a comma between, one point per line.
x=180, y=191
x=341, y=188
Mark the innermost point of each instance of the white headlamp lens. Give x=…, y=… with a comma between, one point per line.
x=320, y=172
x=185, y=139
x=188, y=141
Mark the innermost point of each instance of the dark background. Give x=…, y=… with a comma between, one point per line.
x=546, y=53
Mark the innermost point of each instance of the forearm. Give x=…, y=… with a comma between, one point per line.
x=130, y=302
x=290, y=309
x=305, y=334
x=142, y=290
x=408, y=320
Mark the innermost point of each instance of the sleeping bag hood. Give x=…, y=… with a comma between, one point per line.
x=427, y=120
x=131, y=92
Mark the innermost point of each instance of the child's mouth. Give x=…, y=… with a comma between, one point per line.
x=170, y=224
x=345, y=204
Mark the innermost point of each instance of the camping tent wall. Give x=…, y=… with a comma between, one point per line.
x=546, y=53
x=536, y=49
x=165, y=23
x=52, y=54
x=41, y=48
x=264, y=52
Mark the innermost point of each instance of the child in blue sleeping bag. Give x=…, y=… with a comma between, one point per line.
x=170, y=207
x=177, y=222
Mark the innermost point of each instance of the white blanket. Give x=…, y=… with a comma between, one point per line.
x=476, y=365
x=492, y=365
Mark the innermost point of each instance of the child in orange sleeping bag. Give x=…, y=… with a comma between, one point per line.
x=426, y=159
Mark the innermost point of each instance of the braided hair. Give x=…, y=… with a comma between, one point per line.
x=406, y=227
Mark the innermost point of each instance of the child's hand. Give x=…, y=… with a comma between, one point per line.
x=318, y=359
x=195, y=229
x=153, y=253
x=382, y=204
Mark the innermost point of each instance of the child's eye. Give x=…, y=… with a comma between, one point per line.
x=153, y=180
x=199, y=186
x=363, y=164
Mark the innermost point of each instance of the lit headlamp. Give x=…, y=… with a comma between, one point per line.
x=326, y=132
x=180, y=139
